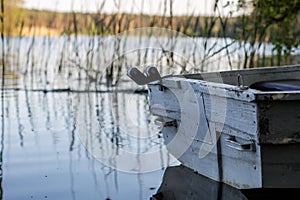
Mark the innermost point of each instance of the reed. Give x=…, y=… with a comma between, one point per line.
x=2, y=96
x=83, y=52
x=2, y=40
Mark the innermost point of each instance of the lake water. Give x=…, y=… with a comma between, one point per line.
x=66, y=134
x=44, y=154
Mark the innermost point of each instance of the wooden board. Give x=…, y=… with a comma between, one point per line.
x=240, y=129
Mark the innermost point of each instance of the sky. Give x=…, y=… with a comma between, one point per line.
x=180, y=7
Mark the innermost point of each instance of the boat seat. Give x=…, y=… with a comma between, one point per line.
x=277, y=85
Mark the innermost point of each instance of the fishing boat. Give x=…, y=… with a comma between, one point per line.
x=238, y=127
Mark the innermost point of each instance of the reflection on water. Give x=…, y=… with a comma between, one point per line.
x=43, y=155
x=180, y=182
x=118, y=129
x=64, y=132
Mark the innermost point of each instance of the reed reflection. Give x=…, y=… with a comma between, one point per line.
x=41, y=142
x=71, y=121
x=57, y=61
x=118, y=124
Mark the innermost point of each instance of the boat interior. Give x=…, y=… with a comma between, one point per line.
x=283, y=78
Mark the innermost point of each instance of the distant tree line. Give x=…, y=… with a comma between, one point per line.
x=270, y=21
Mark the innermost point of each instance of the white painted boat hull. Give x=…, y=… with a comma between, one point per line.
x=233, y=134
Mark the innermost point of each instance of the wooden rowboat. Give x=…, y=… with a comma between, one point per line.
x=238, y=127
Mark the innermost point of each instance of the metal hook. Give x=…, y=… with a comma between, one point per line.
x=241, y=82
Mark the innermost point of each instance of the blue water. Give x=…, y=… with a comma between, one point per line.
x=43, y=156
x=88, y=141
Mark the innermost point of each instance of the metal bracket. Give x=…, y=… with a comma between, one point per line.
x=233, y=143
x=240, y=82
x=164, y=122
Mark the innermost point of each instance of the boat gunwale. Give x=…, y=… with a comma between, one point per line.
x=243, y=93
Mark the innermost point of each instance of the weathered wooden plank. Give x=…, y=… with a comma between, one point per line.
x=250, y=76
x=207, y=164
x=222, y=162
x=229, y=133
x=241, y=168
x=238, y=115
x=214, y=89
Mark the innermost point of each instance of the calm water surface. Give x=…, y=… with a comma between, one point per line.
x=68, y=143
x=44, y=155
